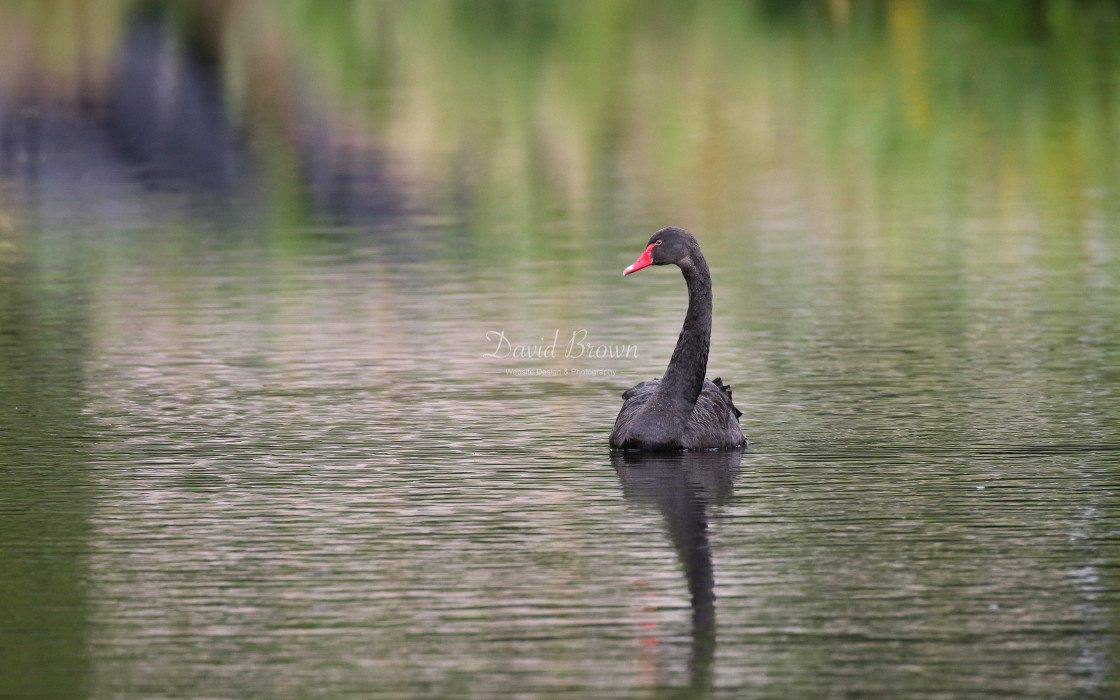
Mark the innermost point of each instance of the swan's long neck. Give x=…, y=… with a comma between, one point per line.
x=684, y=377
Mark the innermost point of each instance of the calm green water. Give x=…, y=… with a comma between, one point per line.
x=254, y=440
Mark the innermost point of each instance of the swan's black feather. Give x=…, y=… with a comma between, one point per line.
x=714, y=423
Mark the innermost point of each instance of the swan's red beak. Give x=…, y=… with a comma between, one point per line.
x=644, y=261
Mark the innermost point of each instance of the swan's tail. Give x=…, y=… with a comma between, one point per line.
x=726, y=389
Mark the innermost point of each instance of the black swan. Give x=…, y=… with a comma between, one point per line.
x=682, y=410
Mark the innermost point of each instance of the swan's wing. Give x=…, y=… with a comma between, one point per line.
x=633, y=400
x=714, y=422
x=713, y=409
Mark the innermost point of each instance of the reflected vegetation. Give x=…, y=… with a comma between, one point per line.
x=682, y=486
x=856, y=118
x=250, y=253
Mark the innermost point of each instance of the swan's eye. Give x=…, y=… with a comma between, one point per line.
x=657, y=243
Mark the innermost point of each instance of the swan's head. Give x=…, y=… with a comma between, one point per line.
x=669, y=246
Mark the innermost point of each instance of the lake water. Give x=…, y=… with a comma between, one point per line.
x=261, y=438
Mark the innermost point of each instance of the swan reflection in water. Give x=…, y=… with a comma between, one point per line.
x=682, y=485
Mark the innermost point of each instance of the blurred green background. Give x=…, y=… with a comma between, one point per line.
x=511, y=118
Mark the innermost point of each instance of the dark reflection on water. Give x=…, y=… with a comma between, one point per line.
x=164, y=111
x=160, y=122
x=682, y=486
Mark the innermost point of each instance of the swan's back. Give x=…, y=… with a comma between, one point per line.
x=713, y=424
